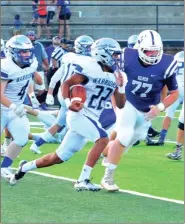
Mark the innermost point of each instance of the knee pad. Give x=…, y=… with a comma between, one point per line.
x=181, y=126
x=21, y=141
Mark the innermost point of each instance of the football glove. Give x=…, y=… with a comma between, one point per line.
x=49, y=99
x=18, y=109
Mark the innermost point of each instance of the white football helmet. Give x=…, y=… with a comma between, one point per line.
x=179, y=56
x=105, y=51
x=18, y=44
x=150, y=40
x=2, y=45
x=82, y=45
x=132, y=40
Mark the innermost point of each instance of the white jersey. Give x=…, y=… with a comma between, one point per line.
x=99, y=88
x=180, y=74
x=18, y=79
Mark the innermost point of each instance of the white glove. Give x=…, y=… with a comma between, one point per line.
x=49, y=99
x=18, y=109
x=34, y=100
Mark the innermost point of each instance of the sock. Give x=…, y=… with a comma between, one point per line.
x=111, y=166
x=85, y=174
x=163, y=134
x=29, y=166
x=40, y=142
x=179, y=146
x=46, y=118
x=6, y=162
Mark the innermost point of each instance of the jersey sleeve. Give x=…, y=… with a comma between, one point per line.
x=5, y=73
x=170, y=76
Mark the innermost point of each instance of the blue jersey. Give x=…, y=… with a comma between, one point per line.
x=108, y=117
x=146, y=82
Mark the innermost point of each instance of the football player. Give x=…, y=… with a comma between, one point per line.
x=132, y=40
x=96, y=74
x=148, y=70
x=171, y=110
x=2, y=49
x=177, y=154
x=17, y=70
x=82, y=48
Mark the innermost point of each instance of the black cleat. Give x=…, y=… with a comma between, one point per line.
x=136, y=143
x=152, y=133
x=19, y=174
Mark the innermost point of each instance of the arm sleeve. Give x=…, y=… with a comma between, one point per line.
x=56, y=77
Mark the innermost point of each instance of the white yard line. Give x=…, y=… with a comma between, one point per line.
x=121, y=190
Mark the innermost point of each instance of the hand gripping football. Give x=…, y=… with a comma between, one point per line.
x=78, y=97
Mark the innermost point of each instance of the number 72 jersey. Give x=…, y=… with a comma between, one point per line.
x=18, y=79
x=145, y=83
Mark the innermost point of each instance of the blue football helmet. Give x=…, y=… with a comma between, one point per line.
x=132, y=40
x=17, y=45
x=108, y=52
x=179, y=56
x=82, y=45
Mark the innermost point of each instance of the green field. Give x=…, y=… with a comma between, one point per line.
x=39, y=199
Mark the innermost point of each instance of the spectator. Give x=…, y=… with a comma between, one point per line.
x=35, y=13
x=17, y=25
x=64, y=15
x=43, y=65
x=42, y=12
x=51, y=8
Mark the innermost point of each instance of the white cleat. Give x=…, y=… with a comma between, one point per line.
x=6, y=174
x=108, y=181
x=35, y=149
x=86, y=185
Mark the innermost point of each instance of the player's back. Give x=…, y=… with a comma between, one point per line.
x=146, y=82
x=99, y=87
x=18, y=79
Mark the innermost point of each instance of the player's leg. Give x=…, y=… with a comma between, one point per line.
x=7, y=140
x=170, y=111
x=125, y=130
x=57, y=126
x=19, y=129
x=71, y=144
x=177, y=154
x=92, y=130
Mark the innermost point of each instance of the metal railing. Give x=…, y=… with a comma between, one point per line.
x=155, y=15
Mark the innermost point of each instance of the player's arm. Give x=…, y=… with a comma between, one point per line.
x=164, y=93
x=37, y=78
x=75, y=79
x=4, y=100
x=119, y=93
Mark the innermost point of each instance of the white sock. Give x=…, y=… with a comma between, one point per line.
x=111, y=166
x=29, y=166
x=46, y=118
x=47, y=136
x=85, y=174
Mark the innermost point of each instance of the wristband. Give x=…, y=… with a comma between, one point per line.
x=67, y=102
x=32, y=95
x=121, y=89
x=161, y=106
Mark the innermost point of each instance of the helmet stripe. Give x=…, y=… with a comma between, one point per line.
x=152, y=37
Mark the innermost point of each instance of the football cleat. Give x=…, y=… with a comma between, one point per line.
x=177, y=155
x=86, y=185
x=108, y=181
x=35, y=149
x=136, y=143
x=6, y=173
x=19, y=174
x=152, y=133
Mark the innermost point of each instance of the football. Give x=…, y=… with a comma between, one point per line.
x=78, y=93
